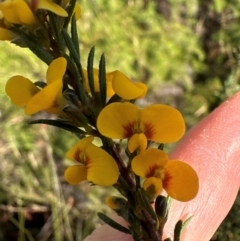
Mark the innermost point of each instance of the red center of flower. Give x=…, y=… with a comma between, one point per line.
x=77, y=155
x=55, y=104
x=34, y=4
x=87, y=160
x=148, y=130
x=130, y=129
x=151, y=172
x=134, y=127
x=156, y=171
x=167, y=180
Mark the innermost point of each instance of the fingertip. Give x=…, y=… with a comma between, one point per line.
x=213, y=149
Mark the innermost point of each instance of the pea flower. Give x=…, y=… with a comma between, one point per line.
x=18, y=12
x=117, y=83
x=48, y=5
x=23, y=92
x=93, y=164
x=77, y=9
x=159, y=123
x=6, y=34
x=22, y=12
x=125, y=88
x=178, y=178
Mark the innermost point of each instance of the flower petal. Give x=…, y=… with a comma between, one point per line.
x=109, y=77
x=137, y=141
x=20, y=90
x=148, y=162
x=50, y=6
x=153, y=187
x=77, y=11
x=180, y=181
x=117, y=120
x=162, y=123
x=125, y=88
x=114, y=201
x=59, y=104
x=74, y=153
x=143, y=87
x=6, y=34
x=86, y=81
x=110, y=91
x=75, y=174
x=24, y=13
x=56, y=70
x=101, y=167
x=18, y=12
x=44, y=99
x=9, y=13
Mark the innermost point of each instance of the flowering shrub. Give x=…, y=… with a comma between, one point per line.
x=93, y=103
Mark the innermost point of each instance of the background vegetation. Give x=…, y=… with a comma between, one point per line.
x=186, y=51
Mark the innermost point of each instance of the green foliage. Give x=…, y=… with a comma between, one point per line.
x=141, y=42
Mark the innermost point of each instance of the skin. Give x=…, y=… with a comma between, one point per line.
x=213, y=150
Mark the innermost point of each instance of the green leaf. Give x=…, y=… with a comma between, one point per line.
x=75, y=115
x=72, y=49
x=112, y=223
x=146, y=204
x=161, y=146
x=57, y=31
x=40, y=84
x=102, y=80
x=59, y=124
x=74, y=35
x=169, y=202
x=69, y=10
x=90, y=70
x=177, y=230
x=34, y=46
x=161, y=207
x=75, y=75
x=185, y=223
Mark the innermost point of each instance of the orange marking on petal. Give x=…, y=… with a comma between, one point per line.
x=129, y=129
x=166, y=181
x=55, y=104
x=87, y=160
x=152, y=171
x=148, y=130
x=77, y=155
x=34, y=4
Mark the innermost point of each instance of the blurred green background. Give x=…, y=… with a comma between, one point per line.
x=188, y=54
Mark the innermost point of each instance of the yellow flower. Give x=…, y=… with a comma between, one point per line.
x=117, y=83
x=18, y=12
x=125, y=88
x=77, y=9
x=94, y=164
x=116, y=203
x=25, y=93
x=159, y=123
x=178, y=178
x=48, y=5
x=110, y=91
x=6, y=34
